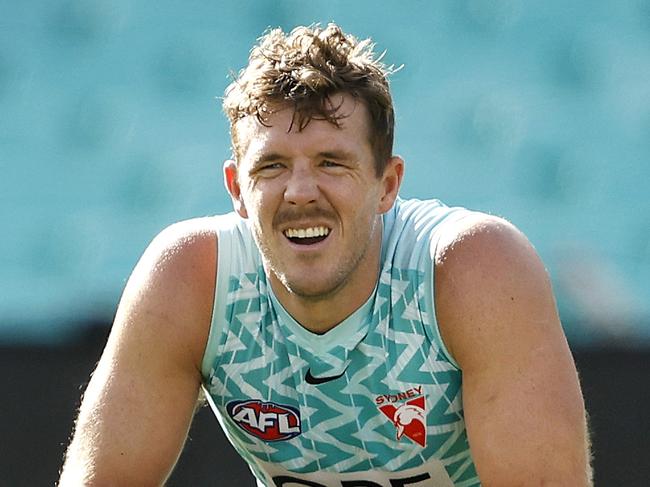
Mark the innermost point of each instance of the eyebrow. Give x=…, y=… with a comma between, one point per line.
x=270, y=156
x=340, y=155
x=264, y=158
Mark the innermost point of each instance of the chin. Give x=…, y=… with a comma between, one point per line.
x=310, y=290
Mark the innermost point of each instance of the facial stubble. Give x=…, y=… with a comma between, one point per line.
x=344, y=271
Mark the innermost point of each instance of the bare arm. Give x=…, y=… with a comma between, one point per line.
x=138, y=406
x=523, y=405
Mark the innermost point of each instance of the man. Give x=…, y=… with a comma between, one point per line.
x=343, y=336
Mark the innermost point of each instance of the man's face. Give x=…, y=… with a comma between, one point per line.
x=313, y=198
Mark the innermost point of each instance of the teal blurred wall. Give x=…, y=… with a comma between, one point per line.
x=111, y=129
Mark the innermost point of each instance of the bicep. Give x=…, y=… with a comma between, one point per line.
x=523, y=406
x=524, y=415
x=133, y=418
x=140, y=400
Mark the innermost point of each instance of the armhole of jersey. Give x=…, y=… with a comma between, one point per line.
x=217, y=321
x=454, y=216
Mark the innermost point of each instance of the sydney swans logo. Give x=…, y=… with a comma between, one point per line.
x=409, y=417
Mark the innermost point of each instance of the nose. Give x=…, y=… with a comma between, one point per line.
x=302, y=186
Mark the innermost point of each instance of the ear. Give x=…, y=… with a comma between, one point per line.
x=391, y=182
x=231, y=181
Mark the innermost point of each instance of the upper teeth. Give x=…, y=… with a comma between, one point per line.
x=307, y=232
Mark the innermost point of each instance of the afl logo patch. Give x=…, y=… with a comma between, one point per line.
x=267, y=421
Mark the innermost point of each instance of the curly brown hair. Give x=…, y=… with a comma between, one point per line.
x=305, y=68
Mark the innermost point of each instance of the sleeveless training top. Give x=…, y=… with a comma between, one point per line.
x=376, y=401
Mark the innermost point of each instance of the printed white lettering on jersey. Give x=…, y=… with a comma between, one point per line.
x=431, y=473
x=283, y=423
x=246, y=415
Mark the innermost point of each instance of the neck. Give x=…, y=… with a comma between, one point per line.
x=321, y=313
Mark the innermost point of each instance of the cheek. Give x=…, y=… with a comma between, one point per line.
x=260, y=206
x=250, y=194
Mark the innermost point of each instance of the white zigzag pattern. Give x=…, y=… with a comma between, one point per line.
x=276, y=380
x=262, y=447
x=370, y=434
x=449, y=442
x=233, y=373
x=424, y=315
x=398, y=289
x=308, y=412
x=247, y=290
x=413, y=343
x=233, y=343
x=406, y=455
x=434, y=365
x=323, y=429
x=304, y=460
x=412, y=309
x=438, y=429
x=216, y=387
x=336, y=363
x=461, y=470
x=377, y=356
x=234, y=370
x=455, y=405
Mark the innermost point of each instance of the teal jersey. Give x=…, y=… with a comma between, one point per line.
x=376, y=401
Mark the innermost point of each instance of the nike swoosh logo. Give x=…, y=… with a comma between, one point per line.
x=320, y=380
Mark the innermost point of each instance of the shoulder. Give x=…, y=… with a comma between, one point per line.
x=479, y=238
x=497, y=315
x=185, y=248
x=171, y=290
x=182, y=258
x=187, y=236
x=488, y=275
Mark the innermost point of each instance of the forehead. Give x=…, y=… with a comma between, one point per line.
x=279, y=134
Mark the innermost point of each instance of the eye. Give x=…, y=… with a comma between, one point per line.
x=328, y=163
x=271, y=166
x=267, y=170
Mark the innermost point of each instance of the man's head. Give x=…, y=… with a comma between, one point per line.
x=303, y=70
x=313, y=171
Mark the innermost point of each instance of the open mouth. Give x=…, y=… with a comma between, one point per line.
x=307, y=236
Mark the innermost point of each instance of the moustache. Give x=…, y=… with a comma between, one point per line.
x=297, y=215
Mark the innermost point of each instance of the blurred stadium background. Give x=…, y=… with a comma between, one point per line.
x=111, y=129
